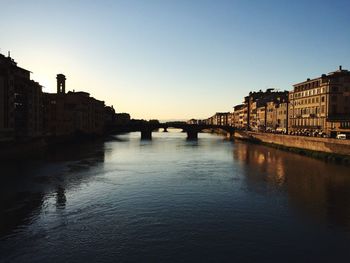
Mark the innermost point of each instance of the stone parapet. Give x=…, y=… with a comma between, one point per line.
x=328, y=145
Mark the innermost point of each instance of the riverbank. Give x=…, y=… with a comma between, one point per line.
x=37, y=147
x=321, y=148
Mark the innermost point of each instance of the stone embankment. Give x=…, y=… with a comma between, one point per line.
x=325, y=148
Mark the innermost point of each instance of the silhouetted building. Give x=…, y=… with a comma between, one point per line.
x=122, y=118
x=72, y=112
x=109, y=116
x=20, y=102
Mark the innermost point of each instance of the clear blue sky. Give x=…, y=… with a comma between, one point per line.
x=176, y=59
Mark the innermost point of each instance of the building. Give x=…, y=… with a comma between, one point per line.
x=73, y=112
x=220, y=118
x=20, y=103
x=282, y=116
x=109, y=115
x=253, y=115
x=192, y=121
x=122, y=118
x=261, y=116
x=322, y=104
x=239, y=115
x=259, y=113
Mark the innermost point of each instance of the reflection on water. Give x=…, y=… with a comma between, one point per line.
x=315, y=188
x=26, y=184
x=170, y=199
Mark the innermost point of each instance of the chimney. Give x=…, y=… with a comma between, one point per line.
x=8, y=54
x=340, y=67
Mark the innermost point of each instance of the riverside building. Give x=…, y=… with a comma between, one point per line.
x=73, y=112
x=322, y=104
x=260, y=111
x=21, y=105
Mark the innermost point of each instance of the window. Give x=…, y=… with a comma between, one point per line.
x=322, y=99
x=335, y=89
x=334, y=98
x=334, y=109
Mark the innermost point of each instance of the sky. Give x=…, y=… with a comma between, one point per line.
x=167, y=59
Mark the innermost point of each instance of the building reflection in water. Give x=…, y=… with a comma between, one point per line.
x=63, y=168
x=313, y=187
x=61, y=197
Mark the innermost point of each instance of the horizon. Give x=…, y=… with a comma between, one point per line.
x=176, y=60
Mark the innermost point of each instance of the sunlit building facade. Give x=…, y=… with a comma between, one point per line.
x=322, y=104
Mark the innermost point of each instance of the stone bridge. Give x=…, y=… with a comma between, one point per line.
x=192, y=130
x=146, y=128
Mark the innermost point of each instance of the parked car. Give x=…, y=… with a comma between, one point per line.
x=341, y=136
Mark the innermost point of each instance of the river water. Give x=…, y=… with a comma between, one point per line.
x=172, y=200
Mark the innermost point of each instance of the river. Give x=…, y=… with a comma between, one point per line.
x=172, y=200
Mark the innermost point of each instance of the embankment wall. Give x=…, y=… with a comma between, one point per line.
x=327, y=145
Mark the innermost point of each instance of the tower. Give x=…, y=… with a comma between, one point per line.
x=61, y=83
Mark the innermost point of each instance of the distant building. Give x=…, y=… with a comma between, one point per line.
x=221, y=118
x=261, y=116
x=192, y=121
x=109, y=116
x=72, y=112
x=238, y=115
x=122, y=118
x=20, y=103
x=282, y=116
x=259, y=111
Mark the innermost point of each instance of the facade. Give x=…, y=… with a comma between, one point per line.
x=282, y=117
x=220, y=118
x=322, y=104
x=253, y=116
x=230, y=118
x=240, y=116
x=261, y=117
x=21, y=105
x=192, y=121
x=260, y=111
x=270, y=116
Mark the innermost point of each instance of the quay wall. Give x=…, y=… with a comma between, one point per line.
x=326, y=145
